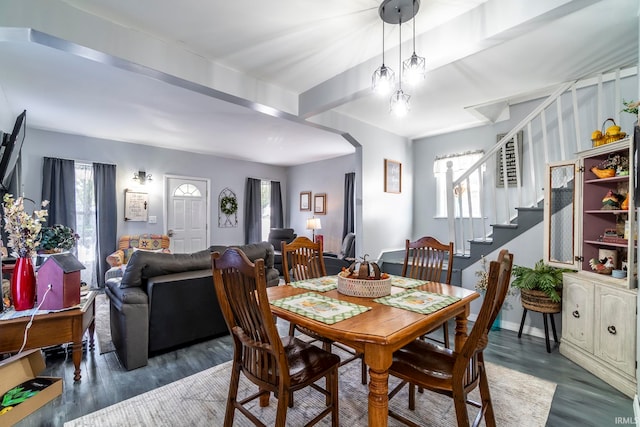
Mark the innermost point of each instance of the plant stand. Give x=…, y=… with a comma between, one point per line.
x=546, y=328
x=539, y=302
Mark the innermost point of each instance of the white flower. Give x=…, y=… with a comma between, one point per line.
x=22, y=229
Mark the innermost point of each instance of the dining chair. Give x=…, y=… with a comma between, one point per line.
x=274, y=364
x=303, y=259
x=425, y=259
x=456, y=373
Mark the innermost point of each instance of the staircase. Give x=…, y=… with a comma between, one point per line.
x=554, y=131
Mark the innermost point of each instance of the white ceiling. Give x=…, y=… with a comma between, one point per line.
x=478, y=52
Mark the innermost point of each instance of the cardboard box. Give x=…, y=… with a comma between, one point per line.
x=18, y=369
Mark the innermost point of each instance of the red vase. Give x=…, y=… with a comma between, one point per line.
x=23, y=285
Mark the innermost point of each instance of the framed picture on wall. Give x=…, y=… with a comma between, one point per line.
x=305, y=200
x=392, y=176
x=136, y=206
x=320, y=204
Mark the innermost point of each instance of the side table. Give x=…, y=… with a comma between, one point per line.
x=54, y=328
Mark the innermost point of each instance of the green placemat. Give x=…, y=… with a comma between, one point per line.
x=406, y=282
x=319, y=307
x=419, y=301
x=322, y=284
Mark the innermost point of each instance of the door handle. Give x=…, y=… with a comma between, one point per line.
x=170, y=233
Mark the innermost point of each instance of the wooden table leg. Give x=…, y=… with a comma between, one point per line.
x=92, y=328
x=378, y=359
x=77, y=347
x=461, y=329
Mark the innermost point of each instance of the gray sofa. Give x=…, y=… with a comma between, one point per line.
x=164, y=301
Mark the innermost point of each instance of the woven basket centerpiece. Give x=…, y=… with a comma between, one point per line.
x=364, y=279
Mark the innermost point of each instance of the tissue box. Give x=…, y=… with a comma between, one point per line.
x=15, y=371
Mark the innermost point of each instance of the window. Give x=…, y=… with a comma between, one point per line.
x=86, y=221
x=265, y=193
x=461, y=163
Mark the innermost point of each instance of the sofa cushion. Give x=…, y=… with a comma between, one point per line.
x=146, y=264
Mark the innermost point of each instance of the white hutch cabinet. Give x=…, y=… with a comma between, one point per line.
x=598, y=310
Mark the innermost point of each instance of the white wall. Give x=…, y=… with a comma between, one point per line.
x=383, y=220
x=524, y=253
x=320, y=177
x=129, y=158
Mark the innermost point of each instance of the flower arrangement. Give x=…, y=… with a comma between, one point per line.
x=616, y=161
x=631, y=107
x=23, y=229
x=483, y=278
x=57, y=237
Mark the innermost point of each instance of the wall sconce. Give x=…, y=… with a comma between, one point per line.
x=313, y=224
x=141, y=177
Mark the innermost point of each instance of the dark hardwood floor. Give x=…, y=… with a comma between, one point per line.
x=581, y=399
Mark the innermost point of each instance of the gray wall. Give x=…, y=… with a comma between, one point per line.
x=129, y=158
x=320, y=177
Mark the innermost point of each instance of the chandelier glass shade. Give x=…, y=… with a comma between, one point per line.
x=410, y=71
x=383, y=80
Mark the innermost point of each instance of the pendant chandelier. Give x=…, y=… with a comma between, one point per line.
x=412, y=70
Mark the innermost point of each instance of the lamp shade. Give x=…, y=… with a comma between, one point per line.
x=314, y=224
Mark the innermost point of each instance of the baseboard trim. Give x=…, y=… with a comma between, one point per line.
x=514, y=326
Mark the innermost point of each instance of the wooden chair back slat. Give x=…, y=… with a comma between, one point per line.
x=241, y=290
x=302, y=260
x=426, y=258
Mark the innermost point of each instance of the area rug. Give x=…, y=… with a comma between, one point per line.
x=103, y=328
x=199, y=400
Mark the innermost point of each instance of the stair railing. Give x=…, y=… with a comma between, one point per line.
x=499, y=206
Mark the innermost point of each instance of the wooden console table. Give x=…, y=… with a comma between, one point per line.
x=53, y=329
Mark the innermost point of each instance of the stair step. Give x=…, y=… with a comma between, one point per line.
x=507, y=226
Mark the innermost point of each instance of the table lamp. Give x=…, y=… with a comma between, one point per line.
x=313, y=224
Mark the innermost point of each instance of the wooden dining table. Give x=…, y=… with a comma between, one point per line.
x=378, y=332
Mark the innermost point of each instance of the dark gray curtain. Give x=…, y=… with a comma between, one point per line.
x=277, y=218
x=59, y=188
x=104, y=185
x=348, y=224
x=253, y=212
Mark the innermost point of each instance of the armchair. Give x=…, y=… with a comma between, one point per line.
x=335, y=262
x=276, y=237
x=128, y=244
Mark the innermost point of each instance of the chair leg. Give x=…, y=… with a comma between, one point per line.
x=292, y=329
x=281, y=409
x=445, y=331
x=363, y=374
x=335, y=413
x=524, y=315
x=412, y=396
x=485, y=396
x=553, y=328
x=460, y=402
x=233, y=394
x=546, y=332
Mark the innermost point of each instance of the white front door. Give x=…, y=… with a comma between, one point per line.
x=187, y=213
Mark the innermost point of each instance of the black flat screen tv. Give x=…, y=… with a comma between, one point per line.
x=10, y=151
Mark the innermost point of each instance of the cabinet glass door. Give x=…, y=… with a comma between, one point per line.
x=559, y=214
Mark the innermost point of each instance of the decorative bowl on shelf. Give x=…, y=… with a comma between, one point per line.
x=619, y=274
x=603, y=173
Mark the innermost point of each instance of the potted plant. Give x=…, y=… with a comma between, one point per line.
x=540, y=286
x=57, y=238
